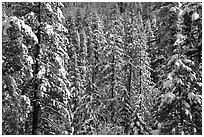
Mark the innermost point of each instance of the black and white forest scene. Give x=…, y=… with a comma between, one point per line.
x=101, y=68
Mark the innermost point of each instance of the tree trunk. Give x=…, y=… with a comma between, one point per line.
x=36, y=100
x=112, y=87
x=129, y=81
x=127, y=96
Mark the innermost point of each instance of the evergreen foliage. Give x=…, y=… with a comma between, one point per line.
x=126, y=68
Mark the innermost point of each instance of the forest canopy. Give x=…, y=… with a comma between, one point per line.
x=105, y=68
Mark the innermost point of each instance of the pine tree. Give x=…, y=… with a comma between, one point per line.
x=90, y=102
x=17, y=69
x=127, y=109
x=138, y=64
x=104, y=68
x=115, y=62
x=181, y=98
x=55, y=45
x=49, y=75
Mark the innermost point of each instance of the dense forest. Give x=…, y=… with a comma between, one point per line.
x=101, y=68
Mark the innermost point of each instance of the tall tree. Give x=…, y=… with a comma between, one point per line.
x=115, y=60
x=49, y=75
x=181, y=97
x=17, y=70
x=94, y=70
x=138, y=65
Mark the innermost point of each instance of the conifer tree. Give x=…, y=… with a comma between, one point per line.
x=139, y=66
x=90, y=101
x=180, y=98
x=115, y=62
x=104, y=68
x=17, y=69
x=48, y=78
